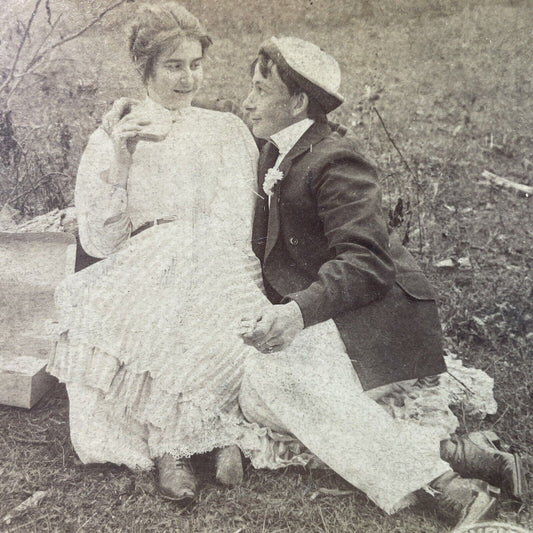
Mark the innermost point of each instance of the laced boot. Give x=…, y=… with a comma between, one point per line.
x=462, y=502
x=477, y=456
x=228, y=464
x=176, y=479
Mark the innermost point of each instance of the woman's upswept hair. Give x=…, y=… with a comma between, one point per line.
x=158, y=25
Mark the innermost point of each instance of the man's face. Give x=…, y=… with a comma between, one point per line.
x=268, y=104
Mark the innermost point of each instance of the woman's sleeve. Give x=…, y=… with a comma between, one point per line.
x=103, y=221
x=240, y=178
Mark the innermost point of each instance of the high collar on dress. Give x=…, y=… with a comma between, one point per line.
x=152, y=107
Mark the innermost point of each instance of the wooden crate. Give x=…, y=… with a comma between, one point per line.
x=31, y=267
x=23, y=380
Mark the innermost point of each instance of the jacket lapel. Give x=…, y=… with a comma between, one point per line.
x=313, y=135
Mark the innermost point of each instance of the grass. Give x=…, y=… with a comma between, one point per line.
x=37, y=455
x=452, y=83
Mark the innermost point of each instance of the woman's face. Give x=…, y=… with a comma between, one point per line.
x=177, y=75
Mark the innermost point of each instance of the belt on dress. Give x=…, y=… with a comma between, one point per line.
x=150, y=223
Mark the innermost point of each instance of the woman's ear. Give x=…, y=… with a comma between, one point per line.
x=300, y=103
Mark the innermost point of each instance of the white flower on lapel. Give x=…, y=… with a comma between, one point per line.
x=272, y=177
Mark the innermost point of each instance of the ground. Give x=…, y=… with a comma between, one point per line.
x=452, y=84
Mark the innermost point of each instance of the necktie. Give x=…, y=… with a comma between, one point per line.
x=267, y=159
x=269, y=156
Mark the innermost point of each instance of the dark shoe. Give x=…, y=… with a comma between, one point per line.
x=461, y=501
x=176, y=479
x=478, y=456
x=228, y=464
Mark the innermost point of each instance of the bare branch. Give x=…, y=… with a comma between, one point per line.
x=17, y=83
x=46, y=37
x=48, y=12
x=21, y=45
x=75, y=35
x=31, y=72
x=35, y=185
x=34, y=72
x=414, y=176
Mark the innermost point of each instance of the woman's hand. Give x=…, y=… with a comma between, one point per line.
x=119, y=110
x=123, y=124
x=127, y=124
x=113, y=125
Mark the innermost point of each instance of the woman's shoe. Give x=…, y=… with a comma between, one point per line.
x=176, y=479
x=228, y=464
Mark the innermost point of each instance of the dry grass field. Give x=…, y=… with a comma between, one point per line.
x=452, y=82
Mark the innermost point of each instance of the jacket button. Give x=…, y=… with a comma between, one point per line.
x=293, y=241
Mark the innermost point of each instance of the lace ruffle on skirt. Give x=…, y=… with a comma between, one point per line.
x=154, y=328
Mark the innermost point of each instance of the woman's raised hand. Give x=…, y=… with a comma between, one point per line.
x=126, y=124
x=119, y=110
x=123, y=124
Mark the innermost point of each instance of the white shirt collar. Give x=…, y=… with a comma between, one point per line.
x=286, y=138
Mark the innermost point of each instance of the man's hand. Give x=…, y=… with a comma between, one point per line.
x=275, y=328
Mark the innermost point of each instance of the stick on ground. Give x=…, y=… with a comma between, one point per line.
x=494, y=179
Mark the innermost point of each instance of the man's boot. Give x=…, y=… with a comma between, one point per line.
x=459, y=501
x=477, y=456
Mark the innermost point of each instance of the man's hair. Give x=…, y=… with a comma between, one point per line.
x=156, y=27
x=265, y=63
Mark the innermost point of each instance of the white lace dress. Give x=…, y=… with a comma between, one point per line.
x=149, y=344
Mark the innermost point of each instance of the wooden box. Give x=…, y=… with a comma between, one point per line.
x=23, y=381
x=31, y=267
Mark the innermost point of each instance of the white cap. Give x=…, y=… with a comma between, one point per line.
x=316, y=71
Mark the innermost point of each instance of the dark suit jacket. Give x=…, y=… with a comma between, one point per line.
x=323, y=243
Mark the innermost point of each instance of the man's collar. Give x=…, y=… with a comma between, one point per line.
x=315, y=134
x=289, y=136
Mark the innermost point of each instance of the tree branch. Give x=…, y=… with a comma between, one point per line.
x=21, y=45
x=34, y=186
x=20, y=77
x=415, y=178
x=46, y=37
x=75, y=35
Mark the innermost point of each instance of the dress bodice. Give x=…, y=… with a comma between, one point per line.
x=201, y=173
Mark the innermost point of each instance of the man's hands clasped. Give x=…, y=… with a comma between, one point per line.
x=274, y=328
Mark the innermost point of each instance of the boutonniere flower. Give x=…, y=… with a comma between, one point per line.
x=272, y=177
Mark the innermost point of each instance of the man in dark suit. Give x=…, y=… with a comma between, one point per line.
x=328, y=266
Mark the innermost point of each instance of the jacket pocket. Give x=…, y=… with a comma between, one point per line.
x=416, y=285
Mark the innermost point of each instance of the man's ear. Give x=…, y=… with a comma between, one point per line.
x=300, y=103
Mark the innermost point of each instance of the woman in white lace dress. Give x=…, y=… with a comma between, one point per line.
x=149, y=346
